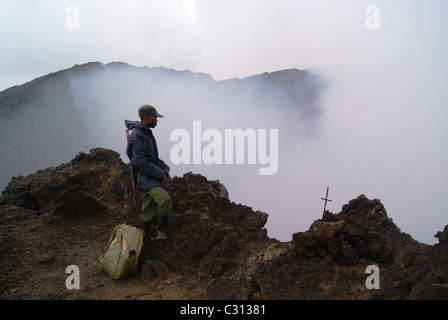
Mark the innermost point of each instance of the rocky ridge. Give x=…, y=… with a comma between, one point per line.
x=217, y=249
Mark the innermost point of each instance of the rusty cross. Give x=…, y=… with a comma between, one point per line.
x=326, y=199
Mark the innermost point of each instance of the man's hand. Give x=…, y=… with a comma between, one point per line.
x=165, y=178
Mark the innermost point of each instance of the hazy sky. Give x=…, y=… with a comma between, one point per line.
x=384, y=131
x=225, y=38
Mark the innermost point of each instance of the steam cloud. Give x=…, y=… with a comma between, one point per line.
x=377, y=135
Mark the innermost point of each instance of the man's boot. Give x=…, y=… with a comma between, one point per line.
x=146, y=227
x=161, y=228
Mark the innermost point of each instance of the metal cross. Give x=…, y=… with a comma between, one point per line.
x=326, y=199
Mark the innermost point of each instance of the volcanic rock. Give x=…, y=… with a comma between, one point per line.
x=216, y=249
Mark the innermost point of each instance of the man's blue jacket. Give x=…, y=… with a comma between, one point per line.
x=144, y=156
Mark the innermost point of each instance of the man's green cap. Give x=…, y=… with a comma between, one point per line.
x=147, y=110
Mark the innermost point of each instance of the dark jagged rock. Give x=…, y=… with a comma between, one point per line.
x=216, y=249
x=361, y=231
x=89, y=184
x=233, y=285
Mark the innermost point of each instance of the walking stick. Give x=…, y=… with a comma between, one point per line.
x=132, y=174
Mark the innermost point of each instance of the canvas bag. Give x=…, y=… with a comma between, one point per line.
x=120, y=257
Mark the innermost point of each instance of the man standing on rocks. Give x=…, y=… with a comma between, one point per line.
x=149, y=172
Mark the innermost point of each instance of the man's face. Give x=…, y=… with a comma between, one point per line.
x=151, y=121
